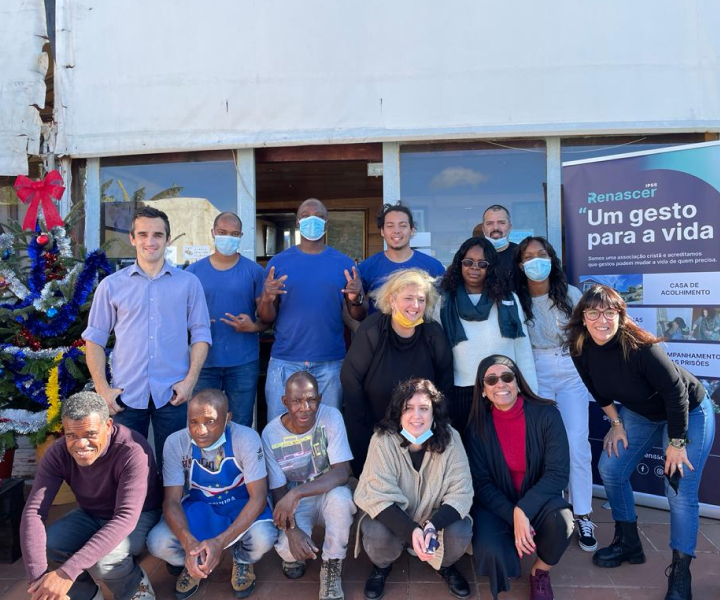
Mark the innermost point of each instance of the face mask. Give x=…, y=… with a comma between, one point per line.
x=422, y=438
x=403, y=321
x=312, y=228
x=538, y=269
x=220, y=441
x=497, y=244
x=227, y=245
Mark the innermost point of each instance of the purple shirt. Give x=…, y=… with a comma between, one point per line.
x=151, y=319
x=118, y=486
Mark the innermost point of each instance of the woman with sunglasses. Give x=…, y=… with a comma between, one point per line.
x=480, y=317
x=519, y=459
x=548, y=301
x=663, y=405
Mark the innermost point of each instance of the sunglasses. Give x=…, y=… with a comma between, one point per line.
x=479, y=264
x=593, y=314
x=492, y=380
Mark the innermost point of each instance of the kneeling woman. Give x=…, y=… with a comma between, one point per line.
x=415, y=489
x=519, y=460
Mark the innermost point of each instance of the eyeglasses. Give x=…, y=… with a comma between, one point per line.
x=593, y=314
x=297, y=402
x=478, y=264
x=492, y=380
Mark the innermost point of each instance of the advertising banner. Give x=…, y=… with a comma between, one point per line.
x=648, y=225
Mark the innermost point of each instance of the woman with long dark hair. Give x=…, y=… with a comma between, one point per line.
x=480, y=316
x=548, y=301
x=518, y=452
x=415, y=490
x=663, y=405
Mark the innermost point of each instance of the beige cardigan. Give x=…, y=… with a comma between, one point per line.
x=389, y=478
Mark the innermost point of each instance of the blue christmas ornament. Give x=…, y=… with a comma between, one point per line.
x=6, y=254
x=52, y=311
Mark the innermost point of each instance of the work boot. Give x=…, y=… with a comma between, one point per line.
x=243, y=579
x=679, y=578
x=375, y=583
x=186, y=585
x=626, y=546
x=331, y=579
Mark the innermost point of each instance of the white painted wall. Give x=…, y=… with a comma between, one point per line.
x=137, y=76
x=22, y=82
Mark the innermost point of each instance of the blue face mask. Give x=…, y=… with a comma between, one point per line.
x=220, y=441
x=227, y=245
x=538, y=269
x=422, y=438
x=312, y=228
x=499, y=243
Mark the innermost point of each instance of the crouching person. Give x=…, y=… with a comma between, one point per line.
x=415, y=489
x=308, y=458
x=222, y=467
x=112, y=473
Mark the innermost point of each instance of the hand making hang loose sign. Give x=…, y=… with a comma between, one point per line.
x=353, y=289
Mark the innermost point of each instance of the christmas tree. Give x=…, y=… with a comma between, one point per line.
x=46, y=291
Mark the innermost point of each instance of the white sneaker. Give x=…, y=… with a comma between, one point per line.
x=586, y=534
x=145, y=590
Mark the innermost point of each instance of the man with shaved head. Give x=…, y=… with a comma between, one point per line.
x=305, y=289
x=215, y=497
x=233, y=285
x=308, y=458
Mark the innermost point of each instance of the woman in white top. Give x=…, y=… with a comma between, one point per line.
x=547, y=302
x=481, y=317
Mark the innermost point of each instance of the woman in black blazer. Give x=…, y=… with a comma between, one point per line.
x=519, y=460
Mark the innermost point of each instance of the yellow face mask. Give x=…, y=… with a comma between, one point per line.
x=403, y=321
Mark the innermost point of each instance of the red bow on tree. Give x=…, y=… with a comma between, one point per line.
x=38, y=193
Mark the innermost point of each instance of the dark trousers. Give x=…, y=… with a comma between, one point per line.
x=494, y=552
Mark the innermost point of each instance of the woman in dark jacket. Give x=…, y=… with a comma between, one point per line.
x=390, y=346
x=519, y=460
x=663, y=406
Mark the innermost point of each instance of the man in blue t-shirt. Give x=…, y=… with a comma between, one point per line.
x=305, y=289
x=397, y=227
x=233, y=285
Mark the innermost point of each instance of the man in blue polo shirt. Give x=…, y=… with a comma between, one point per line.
x=397, y=227
x=152, y=308
x=233, y=285
x=304, y=293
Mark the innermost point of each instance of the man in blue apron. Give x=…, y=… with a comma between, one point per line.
x=215, y=497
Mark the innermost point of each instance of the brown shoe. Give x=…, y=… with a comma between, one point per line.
x=243, y=579
x=186, y=585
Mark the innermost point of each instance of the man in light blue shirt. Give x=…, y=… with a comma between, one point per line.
x=151, y=307
x=233, y=285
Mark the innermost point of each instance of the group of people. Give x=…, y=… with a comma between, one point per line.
x=461, y=407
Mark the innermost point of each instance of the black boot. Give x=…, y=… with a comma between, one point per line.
x=375, y=583
x=626, y=546
x=679, y=578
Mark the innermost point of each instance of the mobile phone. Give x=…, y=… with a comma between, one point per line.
x=674, y=481
x=433, y=545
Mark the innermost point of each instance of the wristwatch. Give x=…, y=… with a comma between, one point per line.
x=677, y=443
x=615, y=422
x=359, y=300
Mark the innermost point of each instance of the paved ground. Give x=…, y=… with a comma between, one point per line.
x=574, y=578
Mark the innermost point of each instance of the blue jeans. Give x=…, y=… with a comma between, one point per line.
x=165, y=420
x=327, y=374
x=250, y=548
x=239, y=384
x=118, y=569
x=642, y=435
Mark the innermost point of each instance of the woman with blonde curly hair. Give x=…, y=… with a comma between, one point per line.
x=390, y=346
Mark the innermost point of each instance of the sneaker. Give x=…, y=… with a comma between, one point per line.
x=586, y=534
x=145, y=590
x=540, y=588
x=243, y=579
x=294, y=569
x=186, y=585
x=331, y=580
x=457, y=584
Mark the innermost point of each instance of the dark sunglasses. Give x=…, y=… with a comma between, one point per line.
x=480, y=264
x=507, y=377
